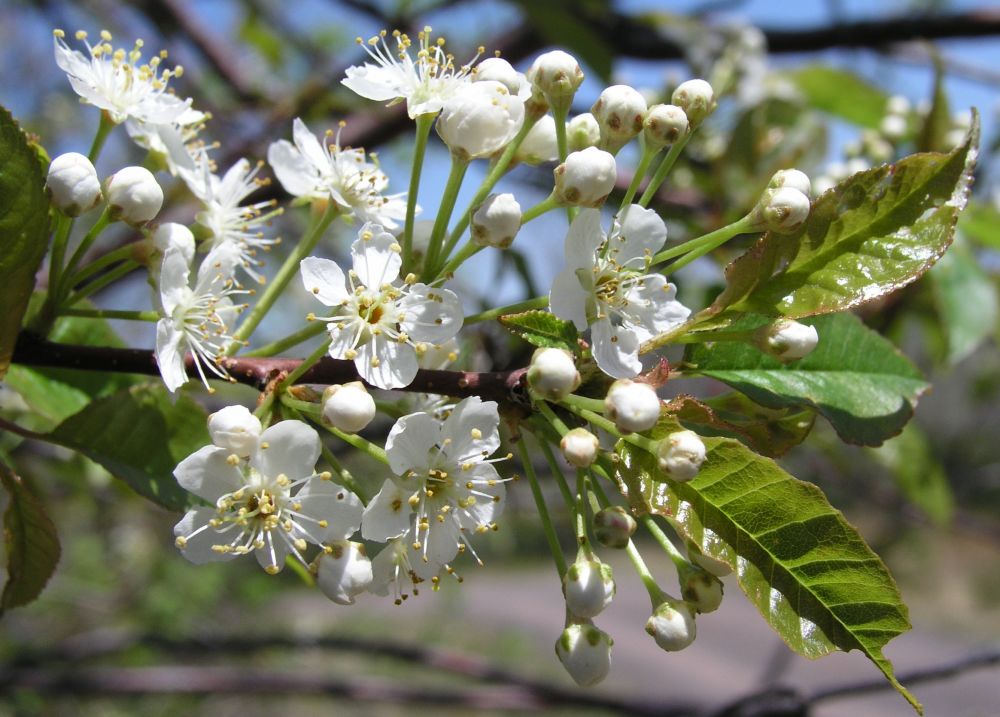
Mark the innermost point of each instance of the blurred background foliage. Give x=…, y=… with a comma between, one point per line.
x=809, y=90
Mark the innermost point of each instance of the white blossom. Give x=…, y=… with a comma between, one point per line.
x=585, y=651
x=557, y=75
x=378, y=322
x=496, y=221
x=540, y=143
x=343, y=571
x=605, y=285
x=348, y=407
x=632, y=405
x=588, y=586
x=787, y=340
x=664, y=125
x=672, y=625
x=552, y=373
x=696, y=98
x=425, y=83
x=314, y=170
x=681, y=454
x=445, y=487
x=114, y=80
x=619, y=111
x=175, y=142
x=499, y=70
x=580, y=447
x=271, y=504
x=196, y=320
x=586, y=178
x=235, y=429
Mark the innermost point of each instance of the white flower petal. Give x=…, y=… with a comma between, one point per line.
x=323, y=279
x=471, y=430
x=208, y=474
x=292, y=449
x=387, y=515
x=344, y=573
x=308, y=144
x=616, y=350
x=641, y=232
x=174, y=276
x=440, y=546
x=297, y=176
x=386, y=363
x=374, y=83
x=274, y=551
x=339, y=507
x=376, y=256
x=568, y=300
x=169, y=355
x=582, y=239
x=652, y=308
x=431, y=315
x=410, y=441
x=198, y=545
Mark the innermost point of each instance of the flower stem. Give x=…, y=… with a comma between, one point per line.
x=640, y=441
x=103, y=130
x=102, y=222
x=458, y=167
x=648, y=154
x=698, y=247
x=678, y=559
x=543, y=511
x=497, y=170
x=424, y=124
x=314, y=411
x=111, y=314
x=99, y=283
x=656, y=595
x=593, y=404
x=546, y=205
x=282, y=278
x=64, y=225
x=580, y=508
x=302, y=571
x=343, y=476
x=315, y=328
x=112, y=257
x=663, y=170
x=550, y=457
x=469, y=250
x=539, y=302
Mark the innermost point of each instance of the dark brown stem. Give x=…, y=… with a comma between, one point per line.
x=500, y=386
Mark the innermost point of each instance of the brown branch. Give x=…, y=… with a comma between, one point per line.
x=500, y=386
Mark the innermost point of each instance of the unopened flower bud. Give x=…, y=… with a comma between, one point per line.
x=619, y=111
x=582, y=131
x=236, y=429
x=696, y=98
x=787, y=340
x=613, y=527
x=632, y=406
x=664, y=125
x=588, y=586
x=680, y=455
x=793, y=178
x=672, y=625
x=580, y=447
x=540, y=144
x=781, y=210
x=585, y=652
x=72, y=184
x=480, y=119
x=557, y=75
x=894, y=127
x=133, y=195
x=897, y=105
x=174, y=236
x=348, y=407
x=499, y=70
x=496, y=221
x=701, y=589
x=586, y=178
x=553, y=373
x=344, y=571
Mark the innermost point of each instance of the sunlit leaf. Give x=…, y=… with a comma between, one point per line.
x=841, y=93
x=540, y=328
x=870, y=235
x=966, y=298
x=811, y=575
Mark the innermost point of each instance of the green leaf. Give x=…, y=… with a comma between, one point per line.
x=855, y=378
x=24, y=223
x=540, y=328
x=811, y=575
x=30, y=542
x=841, y=93
x=937, y=122
x=918, y=473
x=966, y=301
x=139, y=435
x=768, y=431
x=870, y=235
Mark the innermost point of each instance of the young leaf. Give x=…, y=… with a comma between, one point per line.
x=855, y=378
x=966, y=301
x=870, y=235
x=24, y=222
x=30, y=542
x=768, y=431
x=540, y=328
x=139, y=435
x=811, y=575
x=841, y=93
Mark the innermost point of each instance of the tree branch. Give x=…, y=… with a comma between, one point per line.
x=500, y=386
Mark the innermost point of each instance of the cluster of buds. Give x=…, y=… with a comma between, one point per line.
x=133, y=194
x=785, y=205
